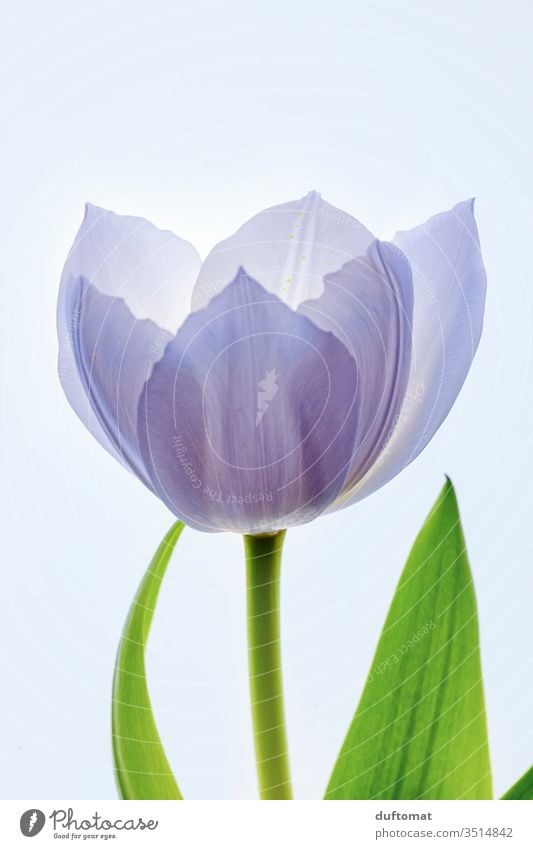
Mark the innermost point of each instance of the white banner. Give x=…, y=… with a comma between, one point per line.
x=267, y=825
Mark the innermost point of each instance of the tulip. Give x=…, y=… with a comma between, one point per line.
x=314, y=363
x=295, y=371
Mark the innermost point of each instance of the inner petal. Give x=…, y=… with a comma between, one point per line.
x=368, y=305
x=288, y=249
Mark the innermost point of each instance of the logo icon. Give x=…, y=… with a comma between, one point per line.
x=267, y=389
x=32, y=822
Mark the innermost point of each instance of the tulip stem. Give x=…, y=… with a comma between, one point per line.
x=263, y=566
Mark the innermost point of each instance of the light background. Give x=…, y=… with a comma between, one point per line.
x=196, y=115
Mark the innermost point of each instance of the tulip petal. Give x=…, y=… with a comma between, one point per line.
x=152, y=270
x=111, y=357
x=449, y=297
x=368, y=305
x=123, y=283
x=288, y=249
x=248, y=421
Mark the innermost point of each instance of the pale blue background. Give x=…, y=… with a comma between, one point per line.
x=196, y=115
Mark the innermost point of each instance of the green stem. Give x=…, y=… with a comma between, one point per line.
x=263, y=565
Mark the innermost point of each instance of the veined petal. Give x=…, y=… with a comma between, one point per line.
x=449, y=298
x=103, y=367
x=247, y=423
x=126, y=257
x=122, y=275
x=368, y=305
x=288, y=249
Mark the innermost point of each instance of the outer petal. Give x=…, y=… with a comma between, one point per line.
x=449, y=288
x=368, y=305
x=112, y=354
x=289, y=249
x=120, y=270
x=248, y=421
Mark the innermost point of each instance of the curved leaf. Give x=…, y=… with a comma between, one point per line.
x=523, y=789
x=420, y=731
x=141, y=767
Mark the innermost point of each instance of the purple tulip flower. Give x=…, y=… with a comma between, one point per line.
x=297, y=369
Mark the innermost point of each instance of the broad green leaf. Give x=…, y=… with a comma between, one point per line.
x=420, y=731
x=523, y=789
x=141, y=767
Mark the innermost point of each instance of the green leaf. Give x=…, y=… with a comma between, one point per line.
x=523, y=789
x=420, y=731
x=141, y=767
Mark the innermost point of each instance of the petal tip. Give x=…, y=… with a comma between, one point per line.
x=93, y=211
x=88, y=210
x=469, y=204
